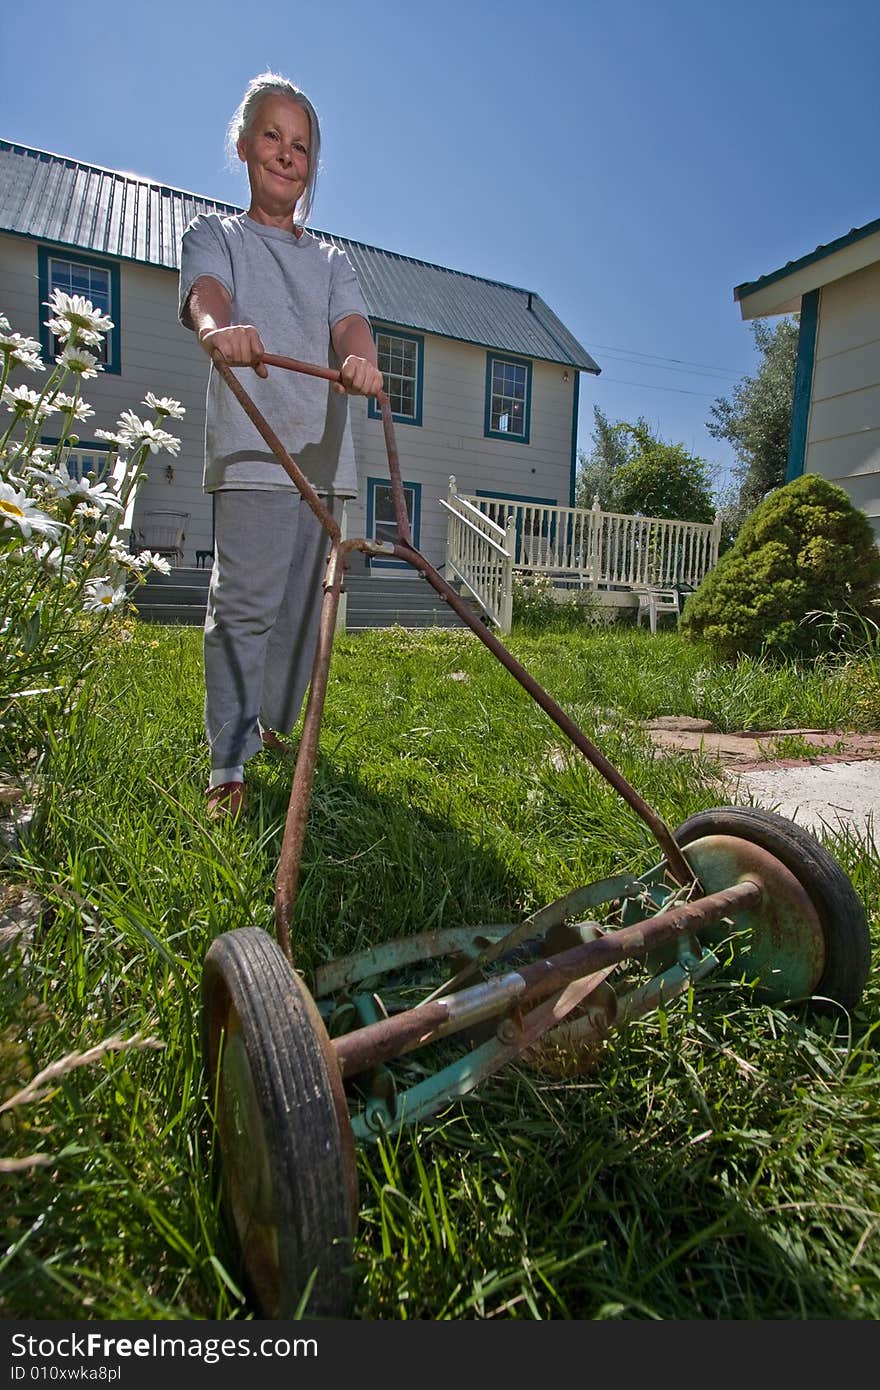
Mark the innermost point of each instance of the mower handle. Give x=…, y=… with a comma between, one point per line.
x=291, y=364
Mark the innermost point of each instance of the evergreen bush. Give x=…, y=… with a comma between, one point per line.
x=804, y=549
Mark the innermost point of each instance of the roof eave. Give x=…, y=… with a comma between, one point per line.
x=781, y=291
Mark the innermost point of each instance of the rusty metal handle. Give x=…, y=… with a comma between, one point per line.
x=291, y=364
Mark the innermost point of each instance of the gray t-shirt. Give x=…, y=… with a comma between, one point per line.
x=293, y=290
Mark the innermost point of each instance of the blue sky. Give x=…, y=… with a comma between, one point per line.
x=630, y=161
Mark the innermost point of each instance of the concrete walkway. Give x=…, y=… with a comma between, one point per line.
x=837, y=789
x=824, y=796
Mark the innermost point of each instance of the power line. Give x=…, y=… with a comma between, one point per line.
x=634, y=352
x=710, y=373
x=679, y=390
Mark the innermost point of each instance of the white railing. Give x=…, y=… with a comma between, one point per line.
x=480, y=554
x=594, y=549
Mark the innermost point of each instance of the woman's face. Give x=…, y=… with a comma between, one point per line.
x=276, y=152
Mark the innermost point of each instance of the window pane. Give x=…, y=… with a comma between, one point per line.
x=93, y=282
x=508, y=399
x=385, y=525
x=398, y=360
x=383, y=505
x=81, y=462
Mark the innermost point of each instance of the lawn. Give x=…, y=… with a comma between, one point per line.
x=721, y=1160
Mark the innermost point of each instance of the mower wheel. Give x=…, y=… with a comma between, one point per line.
x=841, y=914
x=285, y=1139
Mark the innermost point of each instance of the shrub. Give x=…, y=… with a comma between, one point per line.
x=536, y=609
x=805, y=548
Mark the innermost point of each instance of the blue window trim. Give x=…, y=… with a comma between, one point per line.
x=803, y=385
x=87, y=446
x=61, y=253
x=487, y=414
x=575, y=399
x=416, y=488
x=391, y=332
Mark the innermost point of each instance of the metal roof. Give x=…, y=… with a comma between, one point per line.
x=53, y=198
x=852, y=236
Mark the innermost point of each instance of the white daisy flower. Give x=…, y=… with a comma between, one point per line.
x=147, y=559
x=21, y=400
x=128, y=423
x=95, y=494
x=86, y=337
x=5, y=325
x=135, y=432
x=57, y=479
x=165, y=405
x=101, y=594
x=85, y=364
x=31, y=360
x=50, y=556
x=24, y=351
x=14, y=342
x=110, y=437
x=17, y=509
x=38, y=456
x=74, y=312
x=81, y=409
x=121, y=555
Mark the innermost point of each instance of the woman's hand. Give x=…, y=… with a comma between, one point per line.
x=240, y=345
x=359, y=378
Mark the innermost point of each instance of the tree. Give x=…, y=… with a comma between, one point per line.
x=756, y=420
x=663, y=480
x=597, y=469
x=632, y=470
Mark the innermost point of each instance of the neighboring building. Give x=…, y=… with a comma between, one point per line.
x=483, y=377
x=835, y=426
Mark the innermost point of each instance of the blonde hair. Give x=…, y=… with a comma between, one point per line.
x=269, y=84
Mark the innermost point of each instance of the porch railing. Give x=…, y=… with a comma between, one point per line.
x=479, y=553
x=588, y=547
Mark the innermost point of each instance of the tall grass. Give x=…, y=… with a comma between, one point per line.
x=721, y=1160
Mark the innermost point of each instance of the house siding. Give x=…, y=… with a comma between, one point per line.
x=158, y=354
x=843, y=443
x=450, y=440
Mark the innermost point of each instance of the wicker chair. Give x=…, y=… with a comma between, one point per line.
x=162, y=532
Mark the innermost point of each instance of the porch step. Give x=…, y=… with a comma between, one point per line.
x=410, y=602
x=181, y=598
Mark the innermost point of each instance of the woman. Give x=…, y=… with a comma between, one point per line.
x=253, y=283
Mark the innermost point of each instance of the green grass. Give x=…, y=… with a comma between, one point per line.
x=722, y=1159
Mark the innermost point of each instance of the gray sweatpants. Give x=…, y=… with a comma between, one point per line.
x=264, y=611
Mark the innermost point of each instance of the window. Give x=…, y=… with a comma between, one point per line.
x=85, y=459
x=381, y=524
x=400, y=357
x=94, y=280
x=508, y=398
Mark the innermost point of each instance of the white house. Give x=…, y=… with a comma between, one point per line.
x=483, y=377
x=835, y=427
